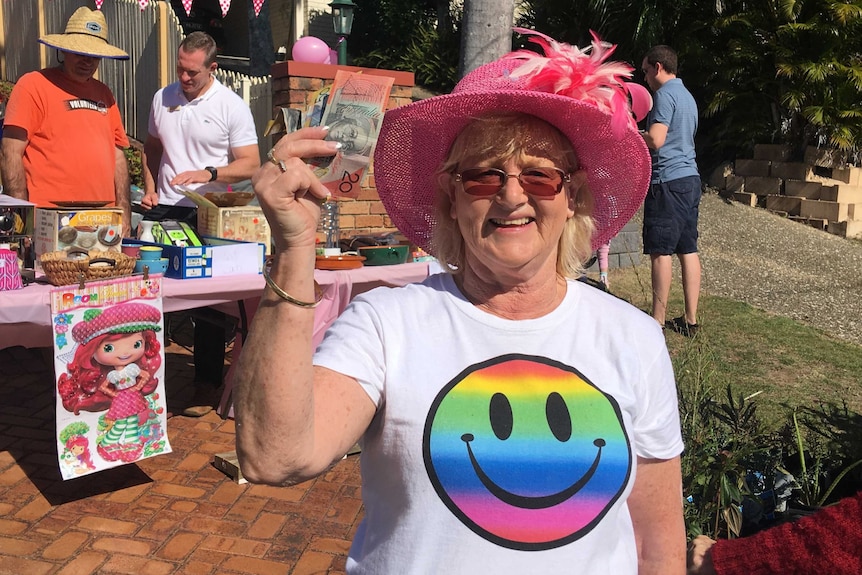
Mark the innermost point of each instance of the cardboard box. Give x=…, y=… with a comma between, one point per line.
x=246, y=223
x=62, y=229
x=218, y=258
x=227, y=215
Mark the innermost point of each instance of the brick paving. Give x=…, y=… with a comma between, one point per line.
x=170, y=514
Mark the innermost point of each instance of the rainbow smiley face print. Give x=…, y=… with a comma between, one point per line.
x=526, y=452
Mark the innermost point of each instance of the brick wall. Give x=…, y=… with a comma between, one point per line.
x=822, y=191
x=294, y=85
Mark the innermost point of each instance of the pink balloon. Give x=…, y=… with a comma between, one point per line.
x=310, y=49
x=641, y=100
x=333, y=57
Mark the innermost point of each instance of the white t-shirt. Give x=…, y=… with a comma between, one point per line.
x=197, y=134
x=502, y=446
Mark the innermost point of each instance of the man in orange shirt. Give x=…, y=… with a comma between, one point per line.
x=63, y=138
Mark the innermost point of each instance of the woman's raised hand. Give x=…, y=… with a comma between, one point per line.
x=288, y=191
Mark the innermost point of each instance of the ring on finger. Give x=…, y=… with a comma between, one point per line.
x=270, y=155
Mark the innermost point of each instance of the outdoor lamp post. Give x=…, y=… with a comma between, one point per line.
x=342, y=22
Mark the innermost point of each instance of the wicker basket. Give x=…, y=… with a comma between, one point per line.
x=67, y=268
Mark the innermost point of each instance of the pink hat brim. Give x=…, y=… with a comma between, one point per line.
x=415, y=140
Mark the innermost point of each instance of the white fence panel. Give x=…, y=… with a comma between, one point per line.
x=257, y=93
x=21, y=29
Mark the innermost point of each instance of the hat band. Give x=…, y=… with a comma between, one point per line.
x=86, y=35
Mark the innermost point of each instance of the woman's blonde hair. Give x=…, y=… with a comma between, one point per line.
x=502, y=136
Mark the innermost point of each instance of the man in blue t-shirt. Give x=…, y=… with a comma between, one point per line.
x=671, y=206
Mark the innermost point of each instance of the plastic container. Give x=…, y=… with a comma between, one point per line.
x=384, y=255
x=329, y=224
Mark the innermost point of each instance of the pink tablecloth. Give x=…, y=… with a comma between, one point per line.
x=25, y=314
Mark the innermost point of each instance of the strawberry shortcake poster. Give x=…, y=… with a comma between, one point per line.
x=109, y=366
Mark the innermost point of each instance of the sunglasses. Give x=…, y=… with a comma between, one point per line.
x=540, y=182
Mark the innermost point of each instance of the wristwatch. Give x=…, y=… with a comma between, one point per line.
x=213, y=173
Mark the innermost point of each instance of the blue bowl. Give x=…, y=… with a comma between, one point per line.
x=150, y=253
x=159, y=266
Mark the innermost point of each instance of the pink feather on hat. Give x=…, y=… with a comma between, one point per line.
x=582, y=74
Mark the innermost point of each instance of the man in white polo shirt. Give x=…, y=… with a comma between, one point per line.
x=201, y=137
x=201, y=134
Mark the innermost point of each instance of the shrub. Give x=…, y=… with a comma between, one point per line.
x=134, y=155
x=5, y=90
x=732, y=464
x=720, y=439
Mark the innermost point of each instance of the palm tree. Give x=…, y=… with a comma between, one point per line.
x=782, y=72
x=818, y=53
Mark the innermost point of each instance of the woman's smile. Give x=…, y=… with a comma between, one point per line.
x=513, y=223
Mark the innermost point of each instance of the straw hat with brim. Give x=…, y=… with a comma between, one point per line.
x=575, y=90
x=86, y=34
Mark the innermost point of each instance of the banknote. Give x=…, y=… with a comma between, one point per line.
x=354, y=112
x=318, y=104
x=286, y=120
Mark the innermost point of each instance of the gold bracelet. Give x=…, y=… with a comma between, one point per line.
x=318, y=292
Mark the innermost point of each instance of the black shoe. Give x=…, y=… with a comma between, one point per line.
x=682, y=327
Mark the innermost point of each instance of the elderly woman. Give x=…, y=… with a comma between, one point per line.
x=512, y=420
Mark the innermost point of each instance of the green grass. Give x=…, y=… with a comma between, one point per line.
x=791, y=364
x=781, y=367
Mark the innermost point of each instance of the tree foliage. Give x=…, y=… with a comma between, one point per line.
x=420, y=36
x=762, y=71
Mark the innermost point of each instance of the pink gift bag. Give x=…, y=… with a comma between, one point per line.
x=10, y=274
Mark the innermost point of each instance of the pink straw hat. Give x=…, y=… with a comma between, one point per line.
x=573, y=89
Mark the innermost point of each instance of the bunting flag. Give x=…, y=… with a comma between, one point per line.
x=187, y=5
x=225, y=6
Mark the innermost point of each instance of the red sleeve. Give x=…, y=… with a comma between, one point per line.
x=830, y=541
